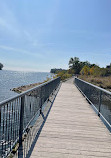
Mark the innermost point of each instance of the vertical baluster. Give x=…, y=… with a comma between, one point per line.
x=13, y=120
x=100, y=96
x=12, y=114
x=16, y=118
x=10, y=133
x=0, y=132
x=41, y=100
x=3, y=141
x=6, y=119
x=30, y=107
x=9, y=126
x=11, y=138
x=24, y=148
x=21, y=120
x=20, y=152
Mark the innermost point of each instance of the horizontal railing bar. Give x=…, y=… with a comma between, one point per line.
x=87, y=98
x=18, y=113
x=16, y=141
x=94, y=86
x=24, y=93
x=94, y=107
x=30, y=121
x=85, y=88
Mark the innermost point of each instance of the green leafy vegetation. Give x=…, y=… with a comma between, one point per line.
x=76, y=65
x=85, y=70
x=56, y=71
x=92, y=73
x=95, y=71
x=64, y=74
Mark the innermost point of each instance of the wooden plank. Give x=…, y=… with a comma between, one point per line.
x=72, y=129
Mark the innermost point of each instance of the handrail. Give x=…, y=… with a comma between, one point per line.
x=17, y=113
x=102, y=89
x=23, y=93
x=98, y=97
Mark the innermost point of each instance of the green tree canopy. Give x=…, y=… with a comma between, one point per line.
x=75, y=64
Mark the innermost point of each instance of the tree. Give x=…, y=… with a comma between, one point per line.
x=74, y=64
x=55, y=71
x=1, y=66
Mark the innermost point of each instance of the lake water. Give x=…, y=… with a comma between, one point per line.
x=13, y=79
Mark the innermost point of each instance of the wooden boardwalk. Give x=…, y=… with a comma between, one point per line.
x=72, y=129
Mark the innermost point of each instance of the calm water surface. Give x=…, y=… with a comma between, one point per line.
x=11, y=79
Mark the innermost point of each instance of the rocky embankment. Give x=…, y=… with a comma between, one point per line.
x=25, y=87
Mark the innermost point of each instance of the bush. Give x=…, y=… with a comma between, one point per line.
x=64, y=75
x=85, y=70
x=100, y=72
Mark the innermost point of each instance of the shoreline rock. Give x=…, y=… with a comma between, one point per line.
x=27, y=87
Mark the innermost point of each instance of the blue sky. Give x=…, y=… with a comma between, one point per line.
x=37, y=35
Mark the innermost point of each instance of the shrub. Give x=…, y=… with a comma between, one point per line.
x=64, y=75
x=85, y=70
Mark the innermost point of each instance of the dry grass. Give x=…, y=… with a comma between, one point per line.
x=103, y=82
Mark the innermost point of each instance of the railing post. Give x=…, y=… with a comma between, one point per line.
x=0, y=135
x=21, y=124
x=41, y=101
x=100, y=95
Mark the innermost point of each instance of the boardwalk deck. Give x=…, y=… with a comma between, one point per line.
x=72, y=129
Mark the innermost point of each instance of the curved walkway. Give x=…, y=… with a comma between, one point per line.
x=72, y=129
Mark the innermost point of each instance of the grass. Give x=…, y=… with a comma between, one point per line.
x=103, y=82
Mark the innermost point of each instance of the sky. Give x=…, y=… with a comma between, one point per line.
x=37, y=35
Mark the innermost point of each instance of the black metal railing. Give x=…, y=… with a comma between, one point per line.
x=17, y=113
x=99, y=98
